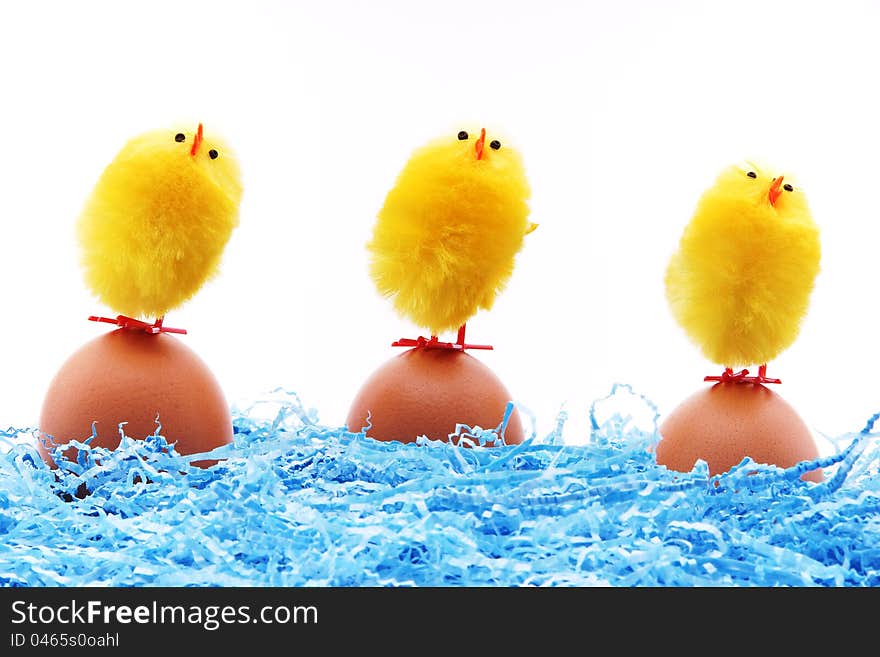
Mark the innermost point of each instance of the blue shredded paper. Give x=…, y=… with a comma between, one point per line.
x=294, y=503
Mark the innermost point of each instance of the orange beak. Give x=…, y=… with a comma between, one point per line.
x=478, y=147
x=197, y=141
x=774, y=192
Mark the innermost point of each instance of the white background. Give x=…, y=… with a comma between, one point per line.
x=624, y=112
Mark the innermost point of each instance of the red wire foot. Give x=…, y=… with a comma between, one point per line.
x=729, y=376
x=434, y=343
x=133, y=324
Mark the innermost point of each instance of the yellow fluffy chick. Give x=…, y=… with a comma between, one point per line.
x=741, y=280
x=155, y=226
x=444, y=242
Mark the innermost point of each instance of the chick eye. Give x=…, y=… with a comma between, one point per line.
x=213, y=154
x=495, y=144
x=462, y=135
x=788, y=187
x=179, y=137
x=752, y=174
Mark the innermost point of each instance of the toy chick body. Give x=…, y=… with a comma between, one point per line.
x=741, y=280
x=444, y=242
x=443, y=247
x=152, y=232
x=156, y=224
x=740, y=285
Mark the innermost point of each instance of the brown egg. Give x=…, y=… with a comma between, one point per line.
x=726, y=422
x=426, y=392
x=134, y=377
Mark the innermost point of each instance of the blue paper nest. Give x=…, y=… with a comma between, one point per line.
x=295, y=503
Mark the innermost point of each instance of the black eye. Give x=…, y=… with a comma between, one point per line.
x=495, y=144
x=179, y=137
x=752, y=174
x=462, y=135
x=213, y=154
x=788, y=187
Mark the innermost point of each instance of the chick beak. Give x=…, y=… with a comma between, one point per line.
x=531, y=227
x=478, y=147
x=774, y=192
x=197, y=141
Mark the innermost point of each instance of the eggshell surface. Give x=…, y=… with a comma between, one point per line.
x=427, y=392
x=137, y=378
x=727, y=422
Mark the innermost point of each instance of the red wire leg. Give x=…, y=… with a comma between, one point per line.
x=729, y=376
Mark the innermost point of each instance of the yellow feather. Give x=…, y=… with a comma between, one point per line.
x=157, y=221
x=445, y=240
x=741, y=280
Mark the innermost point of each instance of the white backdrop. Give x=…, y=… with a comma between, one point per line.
x=623, y=111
